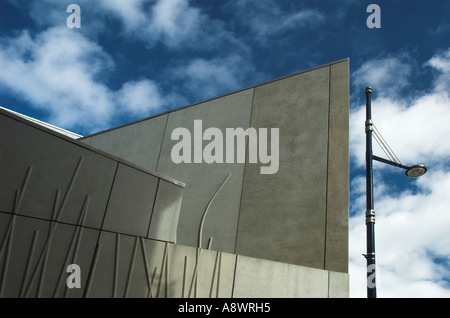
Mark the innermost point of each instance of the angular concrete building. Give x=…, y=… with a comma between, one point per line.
x=243, y=195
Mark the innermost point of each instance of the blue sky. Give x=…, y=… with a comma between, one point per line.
x=131, y=59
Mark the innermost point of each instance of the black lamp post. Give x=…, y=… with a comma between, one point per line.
x=411, y=171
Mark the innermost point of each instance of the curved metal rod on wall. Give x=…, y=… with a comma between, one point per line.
x=194, y=277
x=207, y=209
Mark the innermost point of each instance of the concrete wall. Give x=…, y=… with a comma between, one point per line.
x=202, y=180
x=115, y=265
x=298, y=215
x=57, y=195
x=149, y=268
x=64, y=203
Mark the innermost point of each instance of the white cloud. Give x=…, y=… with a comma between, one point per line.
x=209, y=78
x=412, y=242
x=268, y=18
x=63, y=73
x=130, y=12
x=441, y=62
x=410, y=230
x=416, y=132
x=140, y=97
x=388, y=75
x=175, y=23
x=56, y=71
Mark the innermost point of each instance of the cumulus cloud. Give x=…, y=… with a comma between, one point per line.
x=140, y=97
x=212, y=77
x=413, y=254
x=66, y=72
x=58, y=72
x=269, y=19
x=441, y=63
x=388, y=75
x=175, y=23
x=131, y=12
x=63, y=73
x=415, y=132
x=415, y=129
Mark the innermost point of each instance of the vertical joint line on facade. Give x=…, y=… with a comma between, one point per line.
x=162, y=142
x=233, y=285
x=243, y=173
x=153, y=206
x=98, y=246
x=109, y=197
x=328, y=167
x=92, y=270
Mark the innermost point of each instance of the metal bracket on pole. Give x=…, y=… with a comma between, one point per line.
x=370, y=216
x=369, y=125
x=369, y=255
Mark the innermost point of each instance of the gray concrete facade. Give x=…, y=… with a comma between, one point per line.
x=57, y=195
x=298, y=215
x=140, y=225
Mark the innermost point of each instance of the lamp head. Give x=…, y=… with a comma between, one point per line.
x=416, y=171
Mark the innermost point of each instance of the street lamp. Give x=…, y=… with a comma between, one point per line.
x=411, y=171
